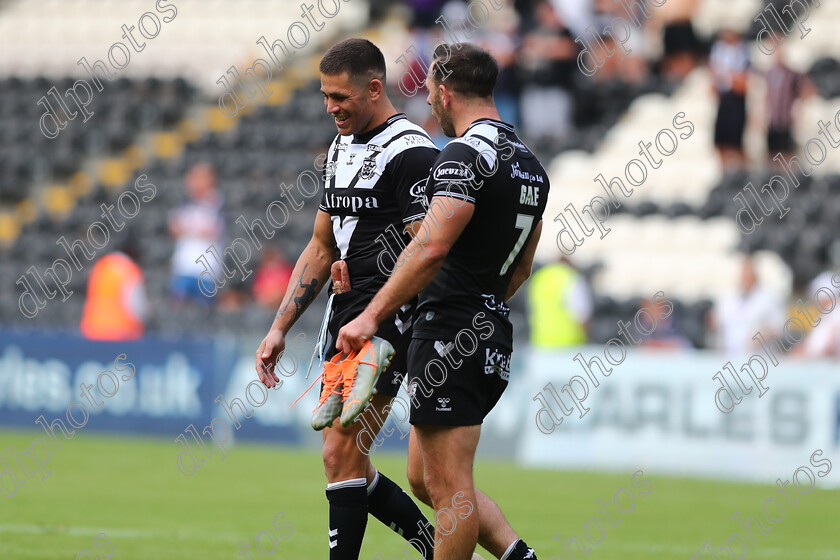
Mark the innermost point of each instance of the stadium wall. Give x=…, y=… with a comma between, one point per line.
x=656, y=411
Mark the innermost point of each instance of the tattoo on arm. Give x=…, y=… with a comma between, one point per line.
x=304, y=299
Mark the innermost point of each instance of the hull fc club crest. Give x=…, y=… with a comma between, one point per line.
x=368, y=169
x=330, y=169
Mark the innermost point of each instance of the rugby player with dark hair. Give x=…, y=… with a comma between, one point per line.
x=374, y=173
x=474, y=249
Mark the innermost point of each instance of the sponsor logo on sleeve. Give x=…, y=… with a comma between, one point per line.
x=454, y=171
x=417, y=192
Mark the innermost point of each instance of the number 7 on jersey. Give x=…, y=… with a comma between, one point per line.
x=523, y=222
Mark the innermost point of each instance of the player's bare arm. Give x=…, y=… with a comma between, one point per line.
x=310, y=274
x=523, y=269
x=416, y=266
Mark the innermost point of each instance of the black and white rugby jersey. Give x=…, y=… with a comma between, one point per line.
x=373, y=186
x=492, y=169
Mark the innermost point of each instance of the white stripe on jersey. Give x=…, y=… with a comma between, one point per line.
x=343, y=231
x=458, y=195
x=413, y=218
x=368, y=161
x=487, y=151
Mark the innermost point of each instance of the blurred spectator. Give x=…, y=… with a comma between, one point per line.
x=576, y=13
x=784, y=87
x=560, y=306
x=195, y=226
x=730, y=63
x=234, y=296
x=115, y=304
x=680, y=46
x=548, y=63
x=738, y=317
x=629, y=68
x=632, y=69
x=503, y=42
x=665, y=334
x=272, y=278
x=425, y=12
x=824, y=340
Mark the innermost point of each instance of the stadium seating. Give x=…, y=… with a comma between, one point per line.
x=123, y=110
x=149, y=121
x=688, y=201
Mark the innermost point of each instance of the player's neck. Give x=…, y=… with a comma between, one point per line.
x=471, y=113
x=382, y=114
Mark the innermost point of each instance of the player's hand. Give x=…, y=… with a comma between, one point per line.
x=354, y=334
x=270, y=350
x=340, y=277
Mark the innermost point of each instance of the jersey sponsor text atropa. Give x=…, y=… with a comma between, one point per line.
x=371, y=184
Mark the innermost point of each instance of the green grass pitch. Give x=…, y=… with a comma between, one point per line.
x=131, y=489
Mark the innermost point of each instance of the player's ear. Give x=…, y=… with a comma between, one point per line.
x=445, y=95
x=375, y=89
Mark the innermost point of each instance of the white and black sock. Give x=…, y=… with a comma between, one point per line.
x=518, y=550
x=394, y=508
x=348, y=517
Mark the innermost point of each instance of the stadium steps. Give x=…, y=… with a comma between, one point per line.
x=688, y=201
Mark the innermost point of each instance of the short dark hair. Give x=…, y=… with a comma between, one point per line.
x=360, y=58
x=466, y=69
